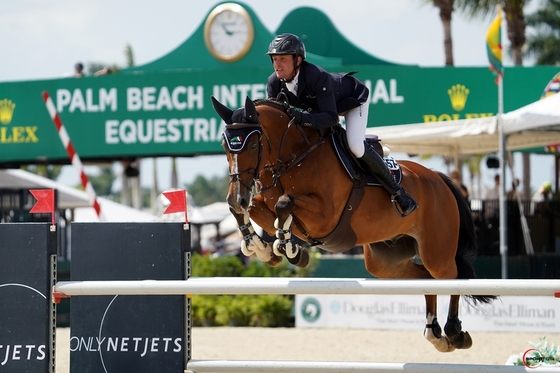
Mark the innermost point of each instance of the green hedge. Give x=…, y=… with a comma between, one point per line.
x=243, y=310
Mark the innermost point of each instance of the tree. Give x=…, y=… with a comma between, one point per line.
x=515, y=20
x=103, y=183
x=49, y=171
x=445, y=14
x=205, y=192
x=544, y=43
x=129, y=55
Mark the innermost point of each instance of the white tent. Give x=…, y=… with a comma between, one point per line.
x=68, y=197
x=71, y=198
x=533, y=125
x=112, y=212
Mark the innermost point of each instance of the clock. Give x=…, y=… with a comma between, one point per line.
x=229, y=32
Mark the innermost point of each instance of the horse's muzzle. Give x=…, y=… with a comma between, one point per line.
x=238, y=202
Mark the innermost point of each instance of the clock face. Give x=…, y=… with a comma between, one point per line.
x=228, y=32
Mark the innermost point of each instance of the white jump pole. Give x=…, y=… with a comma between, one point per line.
x=285, y=285
x=235, y=366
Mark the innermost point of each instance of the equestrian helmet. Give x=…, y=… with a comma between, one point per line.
x=287, y=44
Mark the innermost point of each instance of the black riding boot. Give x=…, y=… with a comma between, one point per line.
x=374, y=164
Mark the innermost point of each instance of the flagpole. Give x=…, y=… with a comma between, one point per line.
x=494, y=50
x=502, y=191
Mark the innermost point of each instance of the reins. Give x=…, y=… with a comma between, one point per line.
x=283, y=166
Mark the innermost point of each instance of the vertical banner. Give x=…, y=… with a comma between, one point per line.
x=112, y=334
x=27, y=315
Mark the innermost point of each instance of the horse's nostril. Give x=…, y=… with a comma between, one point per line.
x=242, y=202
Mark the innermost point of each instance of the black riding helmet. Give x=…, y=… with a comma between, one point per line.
x=287, y=44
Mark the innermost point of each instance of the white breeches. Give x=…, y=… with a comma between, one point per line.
x=356, y=123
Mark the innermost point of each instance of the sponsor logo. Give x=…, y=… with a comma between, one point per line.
x=14, y=134
x=310, y=309
x=533, y=358
x=6, y=111
x=458, y=96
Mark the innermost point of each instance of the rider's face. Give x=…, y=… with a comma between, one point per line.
x=283, y=65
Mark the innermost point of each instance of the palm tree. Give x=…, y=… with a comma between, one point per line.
x=515, y=21
x=445, y=14
x=545, y=42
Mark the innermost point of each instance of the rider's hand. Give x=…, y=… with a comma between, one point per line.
x=295, y=114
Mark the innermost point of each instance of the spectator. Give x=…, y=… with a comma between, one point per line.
x=491, y=200
x=79, y=70
x=104, y=71
x=512, y=193
x=494, y=193
x=457, y=179
x=543, y=195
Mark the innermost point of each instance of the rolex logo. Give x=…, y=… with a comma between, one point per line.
x=6, y=111
x=458, y=95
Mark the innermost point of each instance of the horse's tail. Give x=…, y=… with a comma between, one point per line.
x=467, y=245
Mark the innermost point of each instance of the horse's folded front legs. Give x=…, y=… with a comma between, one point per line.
x=283, y=244
x=252, y=243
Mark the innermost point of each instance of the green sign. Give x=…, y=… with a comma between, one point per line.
x=163, y=108
x=170, y=113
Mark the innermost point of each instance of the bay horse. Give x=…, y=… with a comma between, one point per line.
x=288, y=180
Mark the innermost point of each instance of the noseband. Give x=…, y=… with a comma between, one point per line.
x=236, y=137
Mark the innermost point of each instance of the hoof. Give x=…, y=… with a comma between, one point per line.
x=443, y=345
x=462, y=341
x=301, y=260
x=274, y=261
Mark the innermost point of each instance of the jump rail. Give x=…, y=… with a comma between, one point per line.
x=234, y=366
x=285, y=285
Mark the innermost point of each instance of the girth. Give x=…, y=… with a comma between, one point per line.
x=343, y=237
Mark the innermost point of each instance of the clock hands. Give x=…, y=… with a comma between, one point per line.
x=225, y=27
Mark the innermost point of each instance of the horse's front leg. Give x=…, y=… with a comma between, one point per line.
x=433, y=332
x=283, y=244
x=252, y=243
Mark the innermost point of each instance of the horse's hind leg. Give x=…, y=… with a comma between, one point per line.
x=295, y=254
x=433, y=330
x=457, y=337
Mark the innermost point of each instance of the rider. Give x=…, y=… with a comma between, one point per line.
x=323, y=96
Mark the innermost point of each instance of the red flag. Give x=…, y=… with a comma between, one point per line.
x=45, y=200
x=177, y=202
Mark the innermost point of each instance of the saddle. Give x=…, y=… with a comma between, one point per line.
x=352, y=165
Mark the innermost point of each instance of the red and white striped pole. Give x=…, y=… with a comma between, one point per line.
x=74, y=158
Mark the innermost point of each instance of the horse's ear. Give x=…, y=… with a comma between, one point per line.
x=250, y=111
x=223, y=111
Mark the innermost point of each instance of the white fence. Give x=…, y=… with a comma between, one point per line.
x=254, y=285
x=290, y=285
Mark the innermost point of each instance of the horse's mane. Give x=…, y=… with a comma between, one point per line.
x=279, y=105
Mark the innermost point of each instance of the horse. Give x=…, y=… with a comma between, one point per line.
x=289, y=181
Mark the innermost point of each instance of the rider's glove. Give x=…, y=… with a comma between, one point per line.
x=295, y=114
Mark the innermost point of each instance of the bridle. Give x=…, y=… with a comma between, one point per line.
x=282, y=166
x=257, y=130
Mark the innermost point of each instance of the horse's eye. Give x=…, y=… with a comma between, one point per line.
x=253, y=146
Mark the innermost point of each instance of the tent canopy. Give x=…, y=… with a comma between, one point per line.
x=533, y=125
x=71, y=198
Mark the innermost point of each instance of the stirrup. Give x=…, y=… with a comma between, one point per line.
x=397, y=205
